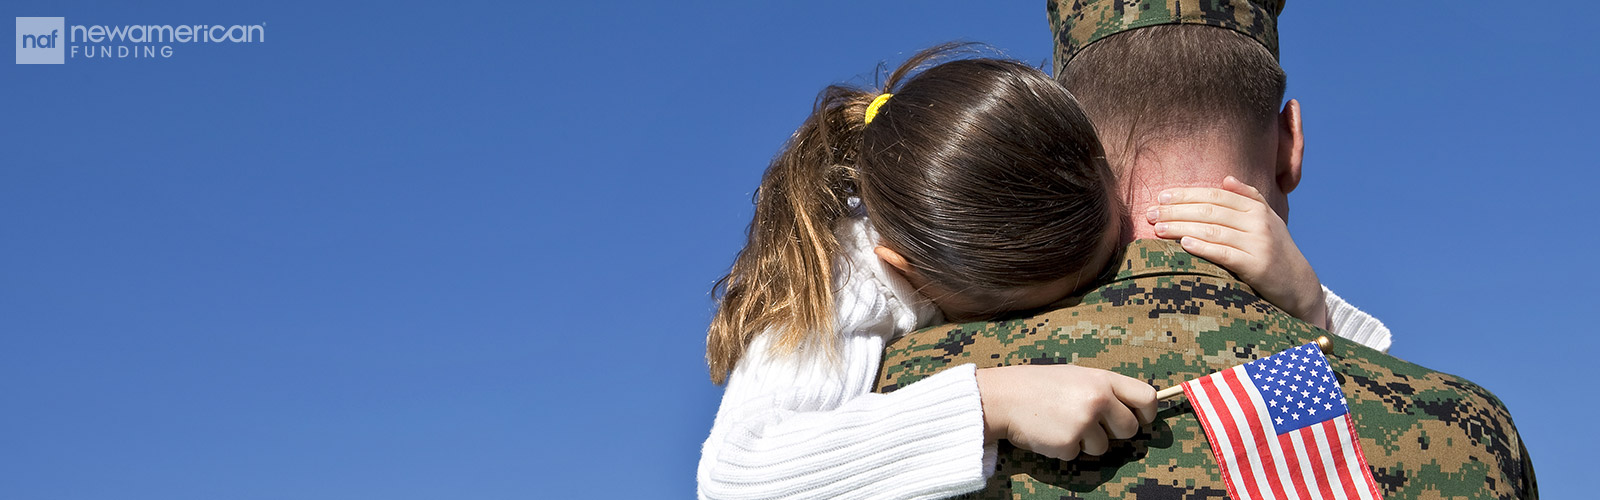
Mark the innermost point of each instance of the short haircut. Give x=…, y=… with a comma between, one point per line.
x=1165, y=81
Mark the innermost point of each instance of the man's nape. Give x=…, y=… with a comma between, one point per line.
x=1214, y=113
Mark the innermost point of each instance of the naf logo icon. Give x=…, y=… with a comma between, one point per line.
x=41, y=40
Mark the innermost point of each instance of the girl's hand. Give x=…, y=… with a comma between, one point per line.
x=1235, y=228
x=1062, y=410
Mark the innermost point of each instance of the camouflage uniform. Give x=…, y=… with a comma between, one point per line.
x=1167, y=316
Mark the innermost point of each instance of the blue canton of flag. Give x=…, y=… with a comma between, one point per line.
x=1299, y=388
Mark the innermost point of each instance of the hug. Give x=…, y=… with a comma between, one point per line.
x=974, y=278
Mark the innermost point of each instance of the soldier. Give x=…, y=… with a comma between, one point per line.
x=1166, y=316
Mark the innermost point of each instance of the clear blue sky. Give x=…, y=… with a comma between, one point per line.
x=463, y=249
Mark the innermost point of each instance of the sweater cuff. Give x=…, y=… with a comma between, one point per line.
x=1345, y=320
x=970, y=460
x=991, y=459
x=925, y=440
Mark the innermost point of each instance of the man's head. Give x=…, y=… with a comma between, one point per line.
x=1186, y=103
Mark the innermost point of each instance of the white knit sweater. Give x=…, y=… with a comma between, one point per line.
x=807, y=425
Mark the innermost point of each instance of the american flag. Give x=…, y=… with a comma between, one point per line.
x=1280, y=428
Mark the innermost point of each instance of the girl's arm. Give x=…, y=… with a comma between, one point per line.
x=809, y=428
x=800, y=427
x=1235, y=228
x=806, y=425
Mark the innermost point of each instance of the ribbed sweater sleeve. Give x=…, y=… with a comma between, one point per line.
x=923, y=441
x=1345, y=320
x=806, y=425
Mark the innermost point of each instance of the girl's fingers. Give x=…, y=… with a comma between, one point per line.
x=1063, y=452
x=1235, y=185
x=1119, y=422
x=1214, y=196
x=1212, y=233
x=1232, y=258
x=1138, y=396
x=1094, y=441
x=1199, y=212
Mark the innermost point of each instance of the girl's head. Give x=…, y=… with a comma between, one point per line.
x=983, y=177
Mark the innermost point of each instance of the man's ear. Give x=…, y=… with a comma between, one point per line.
x=895, y=260
x=1291, y=147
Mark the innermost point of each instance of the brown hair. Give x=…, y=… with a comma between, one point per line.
x=983, y=173
x=1173, y=79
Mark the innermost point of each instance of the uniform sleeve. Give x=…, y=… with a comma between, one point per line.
x=1530, y=483
x=776, y=438
x=1345, y=320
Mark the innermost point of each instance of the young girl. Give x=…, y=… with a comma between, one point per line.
x=975, y=187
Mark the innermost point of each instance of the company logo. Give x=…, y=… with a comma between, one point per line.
x=48, y=40
x=41, y=40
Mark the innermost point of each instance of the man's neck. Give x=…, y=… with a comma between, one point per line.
x=1190, y=163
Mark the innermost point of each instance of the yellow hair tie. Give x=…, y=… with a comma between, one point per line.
x=872, y=109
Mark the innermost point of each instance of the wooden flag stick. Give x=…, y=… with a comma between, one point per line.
x=1169, y=392
x=1322, y=343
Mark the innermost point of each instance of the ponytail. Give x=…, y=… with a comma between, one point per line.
x=783, y=278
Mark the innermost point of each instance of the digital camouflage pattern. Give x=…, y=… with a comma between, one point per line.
x=1078, y=23
x=1168, y=316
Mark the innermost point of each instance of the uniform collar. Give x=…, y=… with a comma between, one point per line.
x=1146, y=258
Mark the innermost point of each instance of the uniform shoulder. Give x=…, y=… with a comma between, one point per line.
x=1423, y=429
